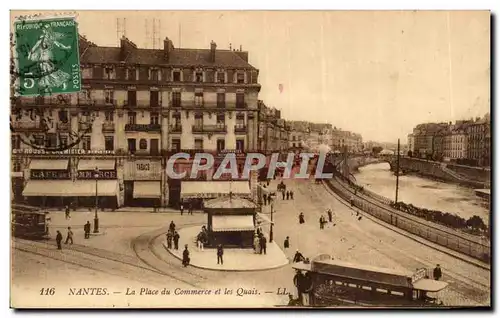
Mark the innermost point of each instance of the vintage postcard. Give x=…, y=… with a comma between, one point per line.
x=250, y=159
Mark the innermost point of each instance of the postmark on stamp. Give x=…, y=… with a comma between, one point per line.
x=47, y=56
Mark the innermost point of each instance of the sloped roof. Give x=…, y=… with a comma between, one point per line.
x=201, y=57
x=229, y=203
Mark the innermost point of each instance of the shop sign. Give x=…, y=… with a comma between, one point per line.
x=71, y=151
x=49, y=174
x=101, y=174
x=142, y=170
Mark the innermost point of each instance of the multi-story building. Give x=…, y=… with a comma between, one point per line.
x=479, y=141
x=273, y=131
x=341, y=138
x=428, y=139
x=297, y=139
x=147, y=105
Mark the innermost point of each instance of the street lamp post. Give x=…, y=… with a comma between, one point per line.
x=96, y=218
x=272, y=224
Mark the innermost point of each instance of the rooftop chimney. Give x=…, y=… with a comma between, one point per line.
x=168, y=47
x=213, y=47
x=126, y=46
x=241, y=48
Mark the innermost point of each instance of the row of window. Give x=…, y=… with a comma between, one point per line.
x=53, y=140
x=85, y=98
x=154, y=74
x=198, y=144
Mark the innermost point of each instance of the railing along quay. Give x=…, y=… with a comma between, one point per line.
x=436, y=233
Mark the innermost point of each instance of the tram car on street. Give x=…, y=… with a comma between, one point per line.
x=30, y=224
x=336, y=283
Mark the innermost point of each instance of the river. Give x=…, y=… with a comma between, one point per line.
x=422, y=192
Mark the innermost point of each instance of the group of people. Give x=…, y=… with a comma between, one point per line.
x=323, y=221
x=189, y=207
x=173, y=236
x=287, y=195
x=69, y=238
x=259, y=242
x=69, y=235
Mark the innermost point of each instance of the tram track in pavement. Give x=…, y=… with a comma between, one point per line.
x=147, y=251
x=105, y=261
x=462, y=284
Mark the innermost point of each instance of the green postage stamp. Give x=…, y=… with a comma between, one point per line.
x=47, y=56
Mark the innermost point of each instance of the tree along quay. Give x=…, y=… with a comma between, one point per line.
x=460, y=242
x=474, y=225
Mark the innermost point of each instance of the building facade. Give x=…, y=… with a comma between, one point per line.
x=273, y=130
x=139, y=106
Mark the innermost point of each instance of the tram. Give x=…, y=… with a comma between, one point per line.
x=336, y=283
x=27, y=223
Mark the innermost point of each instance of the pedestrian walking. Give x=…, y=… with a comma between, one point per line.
x=185, y=256
x=256, y=243
x=286, y=244
x=291, y=194
x=437, y=272
x=298, y=257
x=283, y=194
x=301, y=218
x=59, y=238
x=321, y=224
x=330, y=216
x=263, y=245
x=220, y=253
x=86, y=230
x=288, y=195
x=170, y=236
x=176, y=240
x=171, y=227
x=181, y=207
x=69, y=237
x=190, y=211
x=66, y=212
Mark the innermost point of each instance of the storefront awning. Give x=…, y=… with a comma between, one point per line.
x=46, y=164
x=213, y=189
x=232, y=223
x=147, y=190
x=101, y=164
x=69, y=188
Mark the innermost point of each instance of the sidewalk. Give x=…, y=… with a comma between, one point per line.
x=235, y=259
x=123, y=209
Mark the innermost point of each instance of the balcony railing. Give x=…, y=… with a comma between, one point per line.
x=146, y=103
x=240, y=128
x=143, y=127
x=209, y=128
x=28, y=126
x=144, y=152
x=108, y=127
x=193, y=152
x=175, y=128
x=63, y=126
x=207, y=104
x=96, y=102
x=85, y=127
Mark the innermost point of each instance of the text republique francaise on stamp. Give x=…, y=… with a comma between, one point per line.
x=47, y=56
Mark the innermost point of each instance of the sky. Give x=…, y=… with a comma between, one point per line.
x=377, y=73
